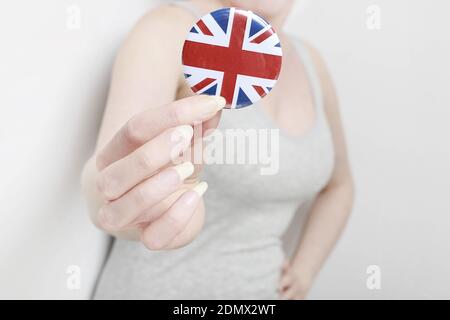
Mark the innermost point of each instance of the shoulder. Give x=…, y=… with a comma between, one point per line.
x=147, y=69
x=163, y=27
x=173, y=18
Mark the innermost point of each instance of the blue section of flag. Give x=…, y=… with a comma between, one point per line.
x=278, y=45
x=222, y=16
x=211, y=91
x=255, y=27
x=186, y=75
x=193, y=30
x=268, y=88
x=242, y=100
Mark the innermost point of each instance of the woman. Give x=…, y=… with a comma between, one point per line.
x=138, y=195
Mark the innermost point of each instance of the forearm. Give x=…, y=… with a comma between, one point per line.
x=325, y=223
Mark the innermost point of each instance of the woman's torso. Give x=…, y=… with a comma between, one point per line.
x=251, y=200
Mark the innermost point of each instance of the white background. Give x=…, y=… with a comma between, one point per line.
x=393, y=87
x=53, y=82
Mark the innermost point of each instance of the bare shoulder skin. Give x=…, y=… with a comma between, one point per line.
x=147, y=69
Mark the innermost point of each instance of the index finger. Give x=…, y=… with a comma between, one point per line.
x=146, y=125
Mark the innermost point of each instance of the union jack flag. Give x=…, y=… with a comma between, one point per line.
x=233, y=53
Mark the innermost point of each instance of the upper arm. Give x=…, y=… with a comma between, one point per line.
x=147, y=68
x=341, y=173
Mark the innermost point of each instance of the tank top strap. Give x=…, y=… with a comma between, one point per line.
x=188, y=7
x=311, y=71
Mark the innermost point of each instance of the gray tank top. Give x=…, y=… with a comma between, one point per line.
x=239, y=252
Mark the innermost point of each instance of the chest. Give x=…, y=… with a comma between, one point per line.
x=293, y=85
x=290, y=105
x=277, y=150
x=251, y=157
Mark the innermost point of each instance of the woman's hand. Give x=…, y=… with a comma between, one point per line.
x=294, y=283
x=141, y=189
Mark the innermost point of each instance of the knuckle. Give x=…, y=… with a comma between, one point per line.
x=144, y=161
x=104, y=186
x=159, y=186
x=141, y=197
x=100, y=161
x=176, y=113
x=101, y=222
x=189, y=101
x=101, y=184
x=131, y=132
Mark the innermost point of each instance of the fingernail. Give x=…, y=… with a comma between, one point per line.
x=184, y=170
x=221, y=102
x=200, y=188
x=185, y=131
x=214, y=104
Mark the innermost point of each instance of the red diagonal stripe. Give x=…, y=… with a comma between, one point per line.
x=260, y=91
x=202, y=84
x=202, y=26
x=263, y=36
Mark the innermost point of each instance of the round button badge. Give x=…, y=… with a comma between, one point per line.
x=233, y=53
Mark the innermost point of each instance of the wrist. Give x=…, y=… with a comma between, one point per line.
x=306, y=271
